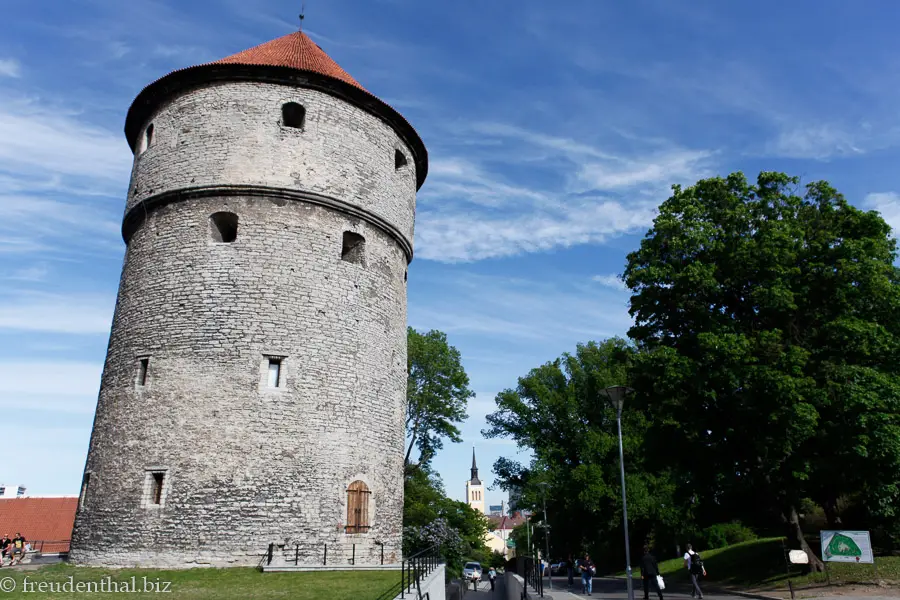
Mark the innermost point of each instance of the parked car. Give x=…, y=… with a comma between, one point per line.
x=558, y=568
x=472, y=570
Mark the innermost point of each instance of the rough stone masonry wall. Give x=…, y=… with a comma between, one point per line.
x=247, y=465
x=232, y=134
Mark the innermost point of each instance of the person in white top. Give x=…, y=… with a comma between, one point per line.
x=694, y=570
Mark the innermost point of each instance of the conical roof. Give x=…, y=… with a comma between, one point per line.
x=292, y=59
x=296, y=51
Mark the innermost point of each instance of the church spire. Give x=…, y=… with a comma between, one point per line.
x=474, y=480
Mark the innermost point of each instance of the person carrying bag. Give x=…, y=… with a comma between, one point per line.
x=650, y=571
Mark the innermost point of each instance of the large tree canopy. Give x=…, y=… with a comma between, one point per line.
x=437, y=393
x=560, y=412
x=768, y=326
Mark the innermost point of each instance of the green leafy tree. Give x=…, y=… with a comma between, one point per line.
x=768, y=324
x=437, y=392
x=559, y=412
x=431, y=518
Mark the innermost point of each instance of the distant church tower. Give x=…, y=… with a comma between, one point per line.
x=474, y=488
x=254, y=389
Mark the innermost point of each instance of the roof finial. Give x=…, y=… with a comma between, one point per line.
x=302, y=14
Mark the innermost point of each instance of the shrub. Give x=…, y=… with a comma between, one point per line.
x=725, y=534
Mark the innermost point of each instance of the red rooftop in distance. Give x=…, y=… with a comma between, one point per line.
x=40, y=520
x=294, y=50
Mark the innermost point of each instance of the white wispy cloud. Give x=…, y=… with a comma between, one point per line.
x=557, y=310
x=888, y=204
x=464, y=236
x=42, y=140
x=69, y=378
x=573, y=193
x=10, y=67
x=818, y=141
x=30, y=274
x=57, y=313
x=611, y=281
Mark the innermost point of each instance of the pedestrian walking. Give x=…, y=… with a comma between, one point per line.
x=492, y=575
x=694, y=564
x=587, y=574
x=570, y=567
x=650, y=571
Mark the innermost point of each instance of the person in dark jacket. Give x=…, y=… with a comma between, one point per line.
x=587, y=574
x=649, y=571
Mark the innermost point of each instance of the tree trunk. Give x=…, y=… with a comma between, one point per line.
x=795, y=536
x=831, y=512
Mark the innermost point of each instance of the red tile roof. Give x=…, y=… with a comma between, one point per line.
x=507, y=522
x=39, y=519
x=296, y=51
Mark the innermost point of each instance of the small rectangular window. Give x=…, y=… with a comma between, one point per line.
x=274, y=372
x=157, y=488
x=154, y=487
x=142, y=371
x=84, y=489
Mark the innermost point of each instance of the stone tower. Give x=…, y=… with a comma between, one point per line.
x=474, y=488
x=255, y=382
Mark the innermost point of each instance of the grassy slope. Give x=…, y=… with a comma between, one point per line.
x=761, y=564
x=234, y=583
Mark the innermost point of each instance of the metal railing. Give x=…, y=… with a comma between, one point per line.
x=412, y=571
x=50, y=546
x=334, y=555
x=531, y=573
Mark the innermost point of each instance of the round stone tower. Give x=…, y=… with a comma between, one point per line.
x=254, y=389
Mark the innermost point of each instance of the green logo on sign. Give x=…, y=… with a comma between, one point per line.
x=841, y=545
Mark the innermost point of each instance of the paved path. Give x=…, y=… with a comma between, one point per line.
x=499, y=593
x=615, y=589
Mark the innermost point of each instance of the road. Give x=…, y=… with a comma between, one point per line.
x=614, y=589
x=484, y=590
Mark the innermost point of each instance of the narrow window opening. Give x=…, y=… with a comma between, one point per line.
x=353, y=249
x=399, y=159
x=84, y=489
x=156, y=487
x=293, y=115
x=143, y=366
x=274, y=372
x=405, y=275
x=223, y=227
x=358, y=508
x=147, y=139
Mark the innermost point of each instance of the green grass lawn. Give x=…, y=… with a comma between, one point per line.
x=761, y=564
x=237, y=583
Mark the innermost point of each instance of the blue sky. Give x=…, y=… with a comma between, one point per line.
x=553, y=134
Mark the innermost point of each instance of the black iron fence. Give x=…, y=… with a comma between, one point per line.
x=413, y=570
x=325, y=555
x=49, y=546
x=531, y=573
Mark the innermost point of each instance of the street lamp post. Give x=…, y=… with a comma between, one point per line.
x=544, y=485
x=616, y=395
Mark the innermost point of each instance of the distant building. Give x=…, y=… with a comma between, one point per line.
x=501, y=531
x=515, y=498
x=11, y=491
x=474, y=488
